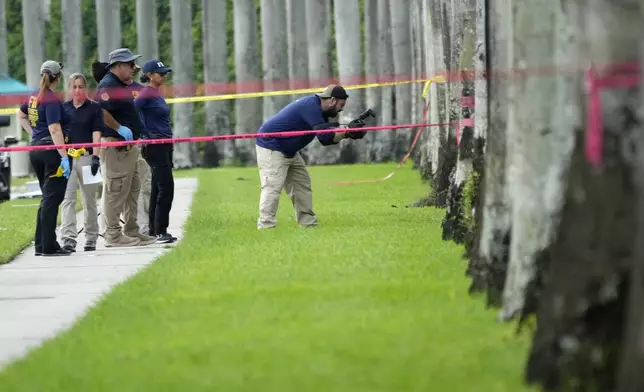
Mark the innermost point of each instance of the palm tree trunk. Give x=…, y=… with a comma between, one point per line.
x=33, y=33
x=183, y=79
x=320, y=41
x=489, y=272
x=248, y=111
x=108, y=22
x=580, y=288
x=401, y=43
x=350, y=68
x=372, y=58
x=215, y=70
x=4, y=51
x=274, y=48
x=455, y=224
x=146, y=29
x=539, y=150
x=384, y=142
x=72, y=37
x=298, y=56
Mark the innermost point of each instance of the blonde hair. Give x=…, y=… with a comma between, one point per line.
x=46, y=80
x=72, y=78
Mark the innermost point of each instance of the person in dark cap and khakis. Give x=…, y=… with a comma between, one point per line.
x=280, y=164
x=119, y=165
x=99, y=71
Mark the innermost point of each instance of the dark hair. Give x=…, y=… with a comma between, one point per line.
x=144, y=79
x=99, y=70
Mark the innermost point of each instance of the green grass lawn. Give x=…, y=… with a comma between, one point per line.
x=18, y=223
x=371, y=300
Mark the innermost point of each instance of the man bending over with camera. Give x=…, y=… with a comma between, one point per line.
x=280, y=164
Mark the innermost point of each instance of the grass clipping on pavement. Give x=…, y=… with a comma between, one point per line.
x=371, y=300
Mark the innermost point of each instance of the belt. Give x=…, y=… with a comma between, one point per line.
x=127, y=147
x=45, y=141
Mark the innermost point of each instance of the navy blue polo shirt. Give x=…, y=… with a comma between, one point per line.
x=135, y=88
x=117, y=98
x=301, y=115
x=83, y=121
x=155, y=113
x=43, y=114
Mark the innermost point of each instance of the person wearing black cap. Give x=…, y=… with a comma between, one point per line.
x=119, y=165
x=44, y=119
x=280, y=164
x=155, y=114
x=145, y=173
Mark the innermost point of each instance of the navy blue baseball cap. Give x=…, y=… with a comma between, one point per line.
x=155, y=66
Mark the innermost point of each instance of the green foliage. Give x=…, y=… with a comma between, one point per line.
x=15, y=39
x=468, y=200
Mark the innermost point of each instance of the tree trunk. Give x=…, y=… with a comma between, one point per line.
x=146, y=30
x=444, y=145
x=215, y=71
x=298, y=55
x=475, y=197
x=539, y=150
x=372, y=58
x=274, y=48
x=383, y=142
x=72, y=36
x=631, y=362
x=582, y=294
x=320, y=41
x=401, y=42
x=183, y=79
x=458, y=221
x=248, y=111
x=489, y=271
x=33, y=33
x=108, y=23
x=416, y=43
x=348, y=43
x=433, y=50
x=4, y=50
x=418, y=70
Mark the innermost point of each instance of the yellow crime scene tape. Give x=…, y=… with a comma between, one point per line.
x=260, y=94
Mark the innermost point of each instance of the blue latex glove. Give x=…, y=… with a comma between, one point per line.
x=67, y=171
x=125, y=132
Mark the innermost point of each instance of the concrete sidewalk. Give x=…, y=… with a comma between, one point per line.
x=42, y=296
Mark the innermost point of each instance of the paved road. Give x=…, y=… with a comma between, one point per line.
x=42, y=296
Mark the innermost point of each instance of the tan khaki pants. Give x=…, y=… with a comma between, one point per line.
x=143, y=218
x=276, y=172
x=121, y=187
x=68, y=229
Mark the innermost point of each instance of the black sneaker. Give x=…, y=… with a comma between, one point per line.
x=90, y=248
x=166, y=238
x=58, y=252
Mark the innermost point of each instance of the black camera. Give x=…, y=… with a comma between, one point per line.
x=366, y=114
x=359, y=123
